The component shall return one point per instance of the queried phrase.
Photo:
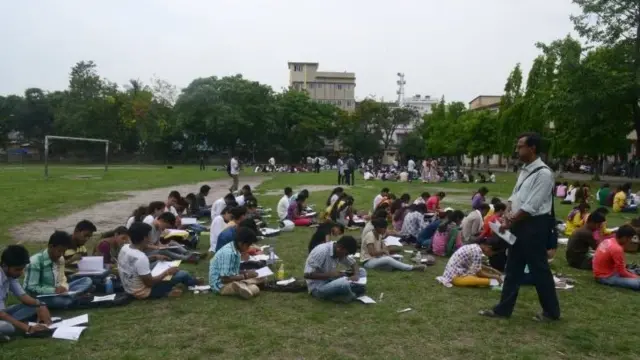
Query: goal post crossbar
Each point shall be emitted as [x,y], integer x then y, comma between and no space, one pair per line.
[47,139]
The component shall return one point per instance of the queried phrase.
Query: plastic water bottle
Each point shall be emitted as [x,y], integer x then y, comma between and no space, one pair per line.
[280,273]
[108,285]
[272,256]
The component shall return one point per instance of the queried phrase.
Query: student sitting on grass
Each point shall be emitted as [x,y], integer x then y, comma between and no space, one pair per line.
[426,235]
[334,196]
[110,245]
[375,254]
[135,271]
[433,203]
[244,193]
[46,275]
[384,193]
[576,218]
[228,234]
[155,209]
[201,201]
[603,232]
[398,210]
[295,212]
[479,198]
[499,210]
[571,194]
[603,194]
[295,196]
[225,276]
[159,226]
[324,232]
[323,279]
[237,215]
[342,212]
[581,241]
[81,234]
[172,201]
[13,319]
[217,226]
[609,266]
[448,237]
[620,202]
[138,215]
[220,204]
[492,205]
[378,214]
[413,223]
[465,268]
[473,222]
[422,200]
[283,204]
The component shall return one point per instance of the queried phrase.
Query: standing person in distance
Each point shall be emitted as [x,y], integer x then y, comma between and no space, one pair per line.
[340,166]
[202,163]
[351,166]
[529,220]
[234,171]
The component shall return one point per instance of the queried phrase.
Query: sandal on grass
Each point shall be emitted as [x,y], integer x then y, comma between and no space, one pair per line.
[491,314]
[540,317]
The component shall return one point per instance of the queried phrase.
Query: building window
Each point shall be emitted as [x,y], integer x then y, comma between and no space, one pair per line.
[348,102]
[297,67]
[339,86]
[311,85]
[339,102]
[319,85]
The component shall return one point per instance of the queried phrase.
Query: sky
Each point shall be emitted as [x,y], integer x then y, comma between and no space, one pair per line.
[454,48]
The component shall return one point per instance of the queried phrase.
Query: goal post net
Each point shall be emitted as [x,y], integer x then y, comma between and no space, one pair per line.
[49,139]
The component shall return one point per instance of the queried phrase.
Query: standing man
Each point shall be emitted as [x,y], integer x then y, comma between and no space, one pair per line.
[234,171]
[529,219]
[351,165]
[202,163]
[316,165]
[340,166]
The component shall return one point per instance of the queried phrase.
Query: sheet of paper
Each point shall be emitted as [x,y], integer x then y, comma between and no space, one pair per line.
[613,229]
[493,282]
[506,236]
[200,288]
[104,298]
[264,247]
[404,310]
[310,214]
[361,281]
[286,282]
[563,241]
[91,264]
[392,241]
[366,300]
[162,266]
[269,231]
[408,251]
[69,293]
[264,272]
[68,332]
[78,320]
[189,220]
[262,257]
[175,232]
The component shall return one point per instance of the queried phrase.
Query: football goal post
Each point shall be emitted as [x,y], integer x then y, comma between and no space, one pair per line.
[48,140]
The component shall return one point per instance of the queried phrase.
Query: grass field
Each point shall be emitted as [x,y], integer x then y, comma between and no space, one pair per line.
[597,322]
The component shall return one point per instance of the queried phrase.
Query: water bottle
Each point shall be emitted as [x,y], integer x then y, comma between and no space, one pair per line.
[272,256]
[280,273]
[108,285]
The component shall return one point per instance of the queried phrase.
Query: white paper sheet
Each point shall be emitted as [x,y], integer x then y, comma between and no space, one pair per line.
[310,214]
[104,298]
[162,266]
[189,220]
[286,282]
[174,232]
[262,257]
[269,231]
[91,264]
[563,241]
[404,310]
[506,236]
[68,332]
[392,241]
[366,300]
[361,281]
[200,288]
[78,320]
[264,272]
[69,293]
[493,282]
[408,251]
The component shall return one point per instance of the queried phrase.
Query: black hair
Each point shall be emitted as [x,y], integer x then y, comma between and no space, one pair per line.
[85,225]
[384,190]
[138,231]
[499,207]
[246,187]
[625,231]
[229,198]
[249,224]
[60,238]
[288,191]
[494,243]
[323,230]
[237,212]
[168,218]
[117,231]
[380,213]
[602,210]
[425,195]
[337,208]
[190,196]
[338,190]
[495,201]
[383,206]
[484,206]
[483,190]
[405,197]
[155,205]
[304,193]
[532,139]
[441,194]
[226,210]
[452,217]
[204,189]
[348,243]
[250,201]
[175,194]
[246,236]
[15,256]
[139,213]
[596,218]
[379,223]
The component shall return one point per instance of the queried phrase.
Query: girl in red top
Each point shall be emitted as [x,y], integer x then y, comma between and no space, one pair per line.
[433,204]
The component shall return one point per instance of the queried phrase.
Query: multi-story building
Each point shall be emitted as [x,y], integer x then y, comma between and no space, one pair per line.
[328,87]
[421,103]
[485,102]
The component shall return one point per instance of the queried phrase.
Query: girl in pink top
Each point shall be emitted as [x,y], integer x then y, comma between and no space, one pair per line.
[448,237]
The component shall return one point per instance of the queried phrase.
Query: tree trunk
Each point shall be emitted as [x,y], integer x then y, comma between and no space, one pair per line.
[636,92]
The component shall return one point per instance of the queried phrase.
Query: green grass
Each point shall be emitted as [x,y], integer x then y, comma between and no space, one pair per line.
[597,321]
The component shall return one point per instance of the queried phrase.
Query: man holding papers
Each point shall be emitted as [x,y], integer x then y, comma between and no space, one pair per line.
[135,271]
[12,263]
[46,277]
[324,281]
[530,220]
[225,276]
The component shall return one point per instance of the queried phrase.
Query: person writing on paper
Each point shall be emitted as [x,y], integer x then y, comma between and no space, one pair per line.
[433,204]
[155,209]
[201,202]
[283,204]
[159,229]
[217,226]
[334,196]
[324,232]
[609,267]
[320,271]
[498,212]
[13,261]
[225,276]
[384,193]
[472,223]
[465,267]
[220,204]
[45,275]
[448,236]
[581,241]
[296,210]
[413,223]
[576,218]
[238,216]
[244,193]
[342,211]
[531,222]
[375,254]
[479,198]
[230,233]
[109,247]
[81,234]
[138,215]
[426,235]
[135,271]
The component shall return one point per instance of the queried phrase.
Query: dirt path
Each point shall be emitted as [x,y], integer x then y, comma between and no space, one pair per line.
[108,215]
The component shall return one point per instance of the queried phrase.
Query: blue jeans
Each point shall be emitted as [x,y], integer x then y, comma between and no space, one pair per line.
[81,285]
[173,254]
[340,289]
[387,263]
[19,312]
[98,280]
[617,281]
[630,209]
[162,289]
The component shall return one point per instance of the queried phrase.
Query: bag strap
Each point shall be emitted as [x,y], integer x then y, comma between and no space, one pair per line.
[530,174]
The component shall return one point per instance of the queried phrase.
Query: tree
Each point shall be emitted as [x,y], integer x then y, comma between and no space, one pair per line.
[616,22]
[413,145]
[510,117]
[388,122]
